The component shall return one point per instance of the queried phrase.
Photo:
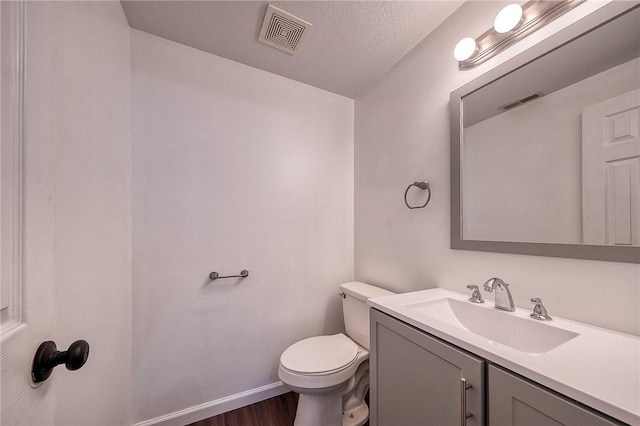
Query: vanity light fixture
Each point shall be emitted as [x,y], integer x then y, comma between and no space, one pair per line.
[508,18]
[466,48]
[512,24]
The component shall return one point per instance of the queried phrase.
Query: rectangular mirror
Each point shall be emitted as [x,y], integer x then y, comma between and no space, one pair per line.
[545,151]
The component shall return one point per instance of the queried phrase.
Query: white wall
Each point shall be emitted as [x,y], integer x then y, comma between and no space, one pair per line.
[522,175]
[234,168]
[402,135]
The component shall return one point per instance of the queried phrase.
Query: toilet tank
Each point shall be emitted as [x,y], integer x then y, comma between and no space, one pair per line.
[356,310]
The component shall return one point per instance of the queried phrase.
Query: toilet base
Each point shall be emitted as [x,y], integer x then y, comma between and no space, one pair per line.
[357,416]
[343,405]
[356,410]
[319,410]
[326,410]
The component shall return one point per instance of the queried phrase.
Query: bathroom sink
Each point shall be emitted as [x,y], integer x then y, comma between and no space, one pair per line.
[595,366]
[522,334]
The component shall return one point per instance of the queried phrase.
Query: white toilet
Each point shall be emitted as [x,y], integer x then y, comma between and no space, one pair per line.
[331,373]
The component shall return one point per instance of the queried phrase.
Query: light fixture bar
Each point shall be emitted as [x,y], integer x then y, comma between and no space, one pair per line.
[535,15]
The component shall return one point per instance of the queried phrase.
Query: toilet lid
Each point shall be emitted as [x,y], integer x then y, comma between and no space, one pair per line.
[319,354]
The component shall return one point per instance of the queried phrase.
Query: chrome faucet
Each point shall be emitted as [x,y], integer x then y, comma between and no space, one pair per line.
[476,297]
[503,297]
[539,311]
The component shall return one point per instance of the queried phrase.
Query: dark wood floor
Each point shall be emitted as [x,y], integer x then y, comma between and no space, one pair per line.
[278,411]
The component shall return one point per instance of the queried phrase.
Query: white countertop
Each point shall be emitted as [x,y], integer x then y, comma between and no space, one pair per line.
[599,368]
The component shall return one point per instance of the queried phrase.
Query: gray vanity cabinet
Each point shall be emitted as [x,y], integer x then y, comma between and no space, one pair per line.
[416,379]
[517,402]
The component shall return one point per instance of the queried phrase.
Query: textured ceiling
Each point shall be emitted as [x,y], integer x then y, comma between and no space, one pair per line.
[351,45]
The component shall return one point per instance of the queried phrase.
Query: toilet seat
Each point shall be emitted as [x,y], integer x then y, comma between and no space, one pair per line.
[320,355]
[327,363]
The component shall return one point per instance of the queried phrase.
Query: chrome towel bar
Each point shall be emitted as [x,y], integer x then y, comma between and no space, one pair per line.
[216,276]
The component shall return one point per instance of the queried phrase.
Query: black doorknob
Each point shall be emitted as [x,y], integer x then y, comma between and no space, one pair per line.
[48,356]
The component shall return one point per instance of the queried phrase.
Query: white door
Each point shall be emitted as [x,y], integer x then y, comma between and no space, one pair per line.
[22,329]
[611,171]
[68,240]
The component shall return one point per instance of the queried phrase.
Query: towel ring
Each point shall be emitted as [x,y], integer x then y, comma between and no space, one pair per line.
[423,186]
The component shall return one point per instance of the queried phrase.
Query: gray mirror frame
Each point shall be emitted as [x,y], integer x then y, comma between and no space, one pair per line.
[574,251]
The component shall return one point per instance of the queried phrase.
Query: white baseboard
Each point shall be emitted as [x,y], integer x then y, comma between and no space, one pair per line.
[219,406]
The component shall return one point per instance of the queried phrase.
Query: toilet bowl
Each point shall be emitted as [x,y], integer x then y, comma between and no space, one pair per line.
[331,373]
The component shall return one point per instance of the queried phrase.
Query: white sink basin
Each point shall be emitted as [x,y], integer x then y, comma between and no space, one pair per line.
[525,335]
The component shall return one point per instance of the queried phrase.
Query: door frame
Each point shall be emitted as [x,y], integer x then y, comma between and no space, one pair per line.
[12,214]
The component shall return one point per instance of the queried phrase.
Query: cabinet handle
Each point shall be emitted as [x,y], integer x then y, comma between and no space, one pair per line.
[464,414]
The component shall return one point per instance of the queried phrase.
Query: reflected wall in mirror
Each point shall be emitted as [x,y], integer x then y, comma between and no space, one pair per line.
[546,155]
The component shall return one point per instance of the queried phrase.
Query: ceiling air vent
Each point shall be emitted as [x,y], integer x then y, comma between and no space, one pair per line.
[283,31]
[522,101]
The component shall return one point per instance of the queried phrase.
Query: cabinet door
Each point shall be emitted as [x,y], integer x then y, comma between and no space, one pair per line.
[416,378]
[517,402]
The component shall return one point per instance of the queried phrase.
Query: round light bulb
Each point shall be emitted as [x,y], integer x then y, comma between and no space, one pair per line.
[465,49]
[508,18]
